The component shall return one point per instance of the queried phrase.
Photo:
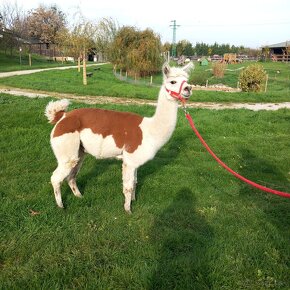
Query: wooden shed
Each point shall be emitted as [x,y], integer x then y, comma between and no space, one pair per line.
[278,51]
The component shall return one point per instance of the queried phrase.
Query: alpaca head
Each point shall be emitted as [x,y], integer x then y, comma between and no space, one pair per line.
[175,81]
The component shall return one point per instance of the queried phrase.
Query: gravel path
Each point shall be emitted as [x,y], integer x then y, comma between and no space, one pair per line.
[31,71]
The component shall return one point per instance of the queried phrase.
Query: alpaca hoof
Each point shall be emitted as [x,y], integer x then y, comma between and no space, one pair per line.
[128,211]
[59,203]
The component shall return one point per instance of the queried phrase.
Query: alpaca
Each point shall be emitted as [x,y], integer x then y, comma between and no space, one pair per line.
[111,134]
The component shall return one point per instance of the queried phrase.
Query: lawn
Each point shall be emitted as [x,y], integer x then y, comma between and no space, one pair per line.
[10,62]
[193,225]
[104,83]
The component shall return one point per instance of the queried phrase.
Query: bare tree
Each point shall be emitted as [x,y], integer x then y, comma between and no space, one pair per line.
[13,26]
[77,41]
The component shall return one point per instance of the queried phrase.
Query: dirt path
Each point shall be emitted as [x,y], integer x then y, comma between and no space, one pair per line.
[31,71]
[115,100]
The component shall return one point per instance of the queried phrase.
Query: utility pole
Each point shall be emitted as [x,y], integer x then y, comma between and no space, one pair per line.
[174,27]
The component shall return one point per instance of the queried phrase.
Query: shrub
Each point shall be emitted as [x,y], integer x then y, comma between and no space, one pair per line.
[218,69]
[252,78]
[198,78]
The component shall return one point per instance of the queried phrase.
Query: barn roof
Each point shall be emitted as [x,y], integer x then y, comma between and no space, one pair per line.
[278,45]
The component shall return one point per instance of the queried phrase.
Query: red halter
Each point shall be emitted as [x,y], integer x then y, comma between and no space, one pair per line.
[178,95]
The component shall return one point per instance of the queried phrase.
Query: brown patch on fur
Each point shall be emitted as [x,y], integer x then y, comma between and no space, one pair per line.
[124,127]
[57,116]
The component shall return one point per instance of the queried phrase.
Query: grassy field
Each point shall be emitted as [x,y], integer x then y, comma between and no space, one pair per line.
[193,225]
[104,83]
[12,62]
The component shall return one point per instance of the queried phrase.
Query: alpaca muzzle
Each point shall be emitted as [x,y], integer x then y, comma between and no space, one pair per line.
[186,92]
[183,94]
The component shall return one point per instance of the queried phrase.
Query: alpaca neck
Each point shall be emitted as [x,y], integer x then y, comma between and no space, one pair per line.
[163,121]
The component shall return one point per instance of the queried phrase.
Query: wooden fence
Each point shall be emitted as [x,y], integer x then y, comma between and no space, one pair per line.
[281,57]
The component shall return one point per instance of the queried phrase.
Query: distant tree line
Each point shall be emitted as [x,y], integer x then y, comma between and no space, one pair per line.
[184,47]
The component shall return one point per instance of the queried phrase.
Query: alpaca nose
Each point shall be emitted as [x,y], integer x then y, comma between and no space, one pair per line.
[187,88]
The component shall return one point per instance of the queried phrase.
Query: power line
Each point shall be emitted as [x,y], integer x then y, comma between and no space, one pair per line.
[235,24]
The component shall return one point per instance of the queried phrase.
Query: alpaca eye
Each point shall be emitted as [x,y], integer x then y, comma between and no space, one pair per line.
[173,82]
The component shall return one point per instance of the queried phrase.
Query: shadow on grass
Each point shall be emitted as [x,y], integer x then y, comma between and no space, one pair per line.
[275,207]
[98,167]
[166,156]
[182,238]
[262,172]
[274,221]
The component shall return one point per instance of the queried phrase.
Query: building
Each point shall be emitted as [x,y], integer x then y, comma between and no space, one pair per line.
[277,52]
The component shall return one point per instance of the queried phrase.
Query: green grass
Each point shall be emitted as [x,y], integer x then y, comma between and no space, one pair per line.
[278,89]
[104,83]
[193,225]
[10,62]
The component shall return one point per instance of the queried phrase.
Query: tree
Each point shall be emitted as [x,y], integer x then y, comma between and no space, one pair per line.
[138,52]
[72,41]
[201,49]
[77,42]
[45,22]
[184,47]
[166,47]
[13,26]
[106,31]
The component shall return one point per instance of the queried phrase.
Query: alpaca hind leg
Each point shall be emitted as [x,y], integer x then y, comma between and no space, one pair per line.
[71,179]
[128,174]
[66,150]
[61,172]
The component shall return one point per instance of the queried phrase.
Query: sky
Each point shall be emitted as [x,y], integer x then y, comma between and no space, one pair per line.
[251,23]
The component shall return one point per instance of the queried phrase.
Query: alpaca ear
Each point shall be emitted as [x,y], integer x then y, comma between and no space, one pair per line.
[187,68]
[166,69]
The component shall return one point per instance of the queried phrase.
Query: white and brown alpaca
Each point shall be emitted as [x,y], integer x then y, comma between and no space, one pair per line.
[111,134]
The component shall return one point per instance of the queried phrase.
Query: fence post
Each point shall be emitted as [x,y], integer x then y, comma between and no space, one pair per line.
[29,55]
[79,64]
[266,84]
[85,82]
[151,79]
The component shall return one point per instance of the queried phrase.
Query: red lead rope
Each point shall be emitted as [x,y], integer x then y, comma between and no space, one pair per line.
[281,193]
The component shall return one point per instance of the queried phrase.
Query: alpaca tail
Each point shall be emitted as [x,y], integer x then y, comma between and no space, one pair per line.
[55,110]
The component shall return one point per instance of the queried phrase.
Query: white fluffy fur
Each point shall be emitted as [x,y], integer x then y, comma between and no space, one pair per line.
[156,131]
[53,107]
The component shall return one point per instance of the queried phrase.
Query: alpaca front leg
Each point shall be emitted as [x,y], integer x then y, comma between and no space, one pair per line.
[133,197]
[128,174]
